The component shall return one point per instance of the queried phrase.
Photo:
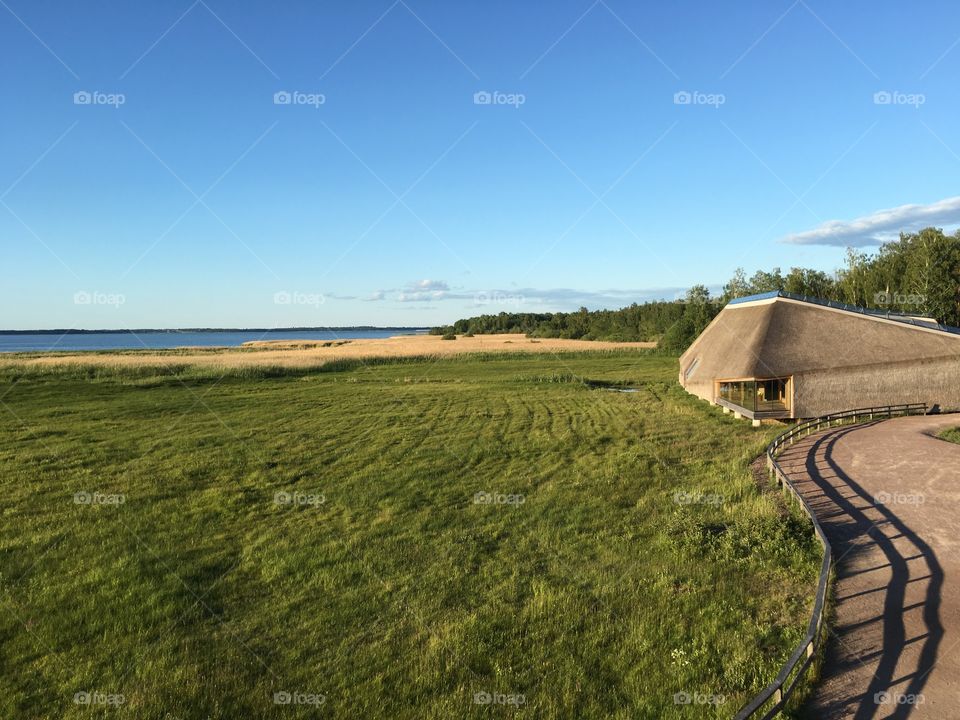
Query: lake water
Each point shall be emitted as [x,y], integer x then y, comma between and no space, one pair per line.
[160,340]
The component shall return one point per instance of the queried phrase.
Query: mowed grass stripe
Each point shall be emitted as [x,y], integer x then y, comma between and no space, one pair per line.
[592,593]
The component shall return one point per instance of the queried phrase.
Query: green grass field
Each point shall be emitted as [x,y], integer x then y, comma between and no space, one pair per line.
[953,435]
[402,540]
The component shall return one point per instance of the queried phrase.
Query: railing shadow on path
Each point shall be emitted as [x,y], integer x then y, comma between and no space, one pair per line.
[863,531]
[857,536]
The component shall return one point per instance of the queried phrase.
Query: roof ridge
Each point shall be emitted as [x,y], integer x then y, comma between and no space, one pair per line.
[761,344]
[893,316]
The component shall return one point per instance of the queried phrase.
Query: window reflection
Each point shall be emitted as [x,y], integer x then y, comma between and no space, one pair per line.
[757,395]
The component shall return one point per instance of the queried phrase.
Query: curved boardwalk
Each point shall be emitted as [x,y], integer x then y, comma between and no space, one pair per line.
[888,497]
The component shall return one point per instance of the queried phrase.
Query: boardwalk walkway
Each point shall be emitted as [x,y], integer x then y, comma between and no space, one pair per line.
[888,497]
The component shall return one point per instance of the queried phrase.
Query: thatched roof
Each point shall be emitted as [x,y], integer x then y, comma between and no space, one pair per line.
[777,335]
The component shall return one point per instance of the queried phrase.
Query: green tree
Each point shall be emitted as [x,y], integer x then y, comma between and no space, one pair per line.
[762,281]
[852,282]
[698,311]
[812,283]
[737,287]
[932,276]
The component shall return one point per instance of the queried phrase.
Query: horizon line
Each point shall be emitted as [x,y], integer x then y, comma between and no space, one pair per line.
[134,331]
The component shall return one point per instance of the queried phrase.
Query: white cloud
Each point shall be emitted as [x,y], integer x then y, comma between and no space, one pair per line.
[881,226]
[376,296]
[541,300]
[429,285]
[533,299]
[423,295]
[426,290]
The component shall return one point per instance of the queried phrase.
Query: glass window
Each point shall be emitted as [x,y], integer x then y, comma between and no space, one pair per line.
[759,396]
[772,395]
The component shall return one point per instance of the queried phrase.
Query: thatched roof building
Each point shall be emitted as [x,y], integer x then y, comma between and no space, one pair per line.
[782,355]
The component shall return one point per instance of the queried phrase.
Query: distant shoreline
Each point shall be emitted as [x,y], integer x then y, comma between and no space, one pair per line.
[307,354]
[143,331]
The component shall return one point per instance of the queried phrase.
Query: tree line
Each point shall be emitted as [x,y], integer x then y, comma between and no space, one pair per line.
[918,274]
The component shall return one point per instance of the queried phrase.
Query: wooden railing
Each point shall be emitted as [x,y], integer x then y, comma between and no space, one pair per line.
[775,696]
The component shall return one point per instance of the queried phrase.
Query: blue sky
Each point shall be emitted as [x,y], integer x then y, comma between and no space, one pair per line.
[181,190]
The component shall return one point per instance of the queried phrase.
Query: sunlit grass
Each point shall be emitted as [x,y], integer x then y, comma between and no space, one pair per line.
[953,435]
[627,554]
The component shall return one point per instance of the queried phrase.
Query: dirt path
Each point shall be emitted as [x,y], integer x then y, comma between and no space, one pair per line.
[888,496]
